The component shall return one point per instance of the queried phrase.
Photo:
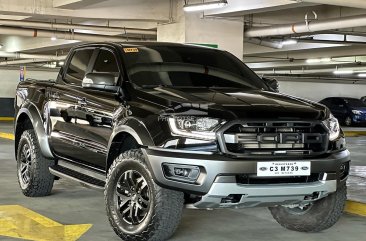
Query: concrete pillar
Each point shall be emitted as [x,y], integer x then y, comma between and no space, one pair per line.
[194,28]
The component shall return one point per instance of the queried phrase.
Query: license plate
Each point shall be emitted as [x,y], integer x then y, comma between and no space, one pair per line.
[283,168]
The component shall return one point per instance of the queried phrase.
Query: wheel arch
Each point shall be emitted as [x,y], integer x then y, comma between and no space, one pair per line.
[31,115]
[130,135]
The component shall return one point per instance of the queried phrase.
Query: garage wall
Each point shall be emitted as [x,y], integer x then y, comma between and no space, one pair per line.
[318,91]
[9,79]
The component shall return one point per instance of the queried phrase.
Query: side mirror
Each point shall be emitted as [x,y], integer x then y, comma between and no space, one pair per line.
[100,81]
[272,83]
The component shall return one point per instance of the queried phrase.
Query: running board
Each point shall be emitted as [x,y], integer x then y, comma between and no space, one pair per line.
[81,178]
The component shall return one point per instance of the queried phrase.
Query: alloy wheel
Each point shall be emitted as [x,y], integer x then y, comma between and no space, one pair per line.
[348,121]
[132,198]
[25,166]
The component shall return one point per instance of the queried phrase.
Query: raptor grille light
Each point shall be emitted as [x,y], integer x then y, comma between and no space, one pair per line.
[332,125]
[204,6]
[194,127]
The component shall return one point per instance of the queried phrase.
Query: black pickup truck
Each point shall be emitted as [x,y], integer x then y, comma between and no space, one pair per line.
[162,126]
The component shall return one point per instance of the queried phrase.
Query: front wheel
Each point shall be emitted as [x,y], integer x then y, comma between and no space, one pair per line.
[348,121]
[137,208]
[314,217]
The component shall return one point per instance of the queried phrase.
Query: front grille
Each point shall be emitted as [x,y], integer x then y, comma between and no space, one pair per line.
[254,179]
[278,138]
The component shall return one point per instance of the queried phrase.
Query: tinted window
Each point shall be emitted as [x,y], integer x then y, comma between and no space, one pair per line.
[78,65]
[337,101]
[326,102]
[188,67]
[355,102]
[106,62]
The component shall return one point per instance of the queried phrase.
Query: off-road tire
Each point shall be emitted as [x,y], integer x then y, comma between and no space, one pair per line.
[40,179]
[321,215]
[166,205]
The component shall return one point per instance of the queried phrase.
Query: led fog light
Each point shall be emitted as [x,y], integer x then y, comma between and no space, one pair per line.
[183,173]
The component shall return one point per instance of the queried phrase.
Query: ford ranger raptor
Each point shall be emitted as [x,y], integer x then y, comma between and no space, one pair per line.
[161,126]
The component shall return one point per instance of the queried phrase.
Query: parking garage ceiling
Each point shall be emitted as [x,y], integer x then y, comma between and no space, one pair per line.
[321,38]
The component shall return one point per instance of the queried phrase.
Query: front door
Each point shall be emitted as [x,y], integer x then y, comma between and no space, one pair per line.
[95,110]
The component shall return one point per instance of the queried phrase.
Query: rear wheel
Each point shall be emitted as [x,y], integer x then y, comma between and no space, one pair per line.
[314,217]
[137,208]
[34,177]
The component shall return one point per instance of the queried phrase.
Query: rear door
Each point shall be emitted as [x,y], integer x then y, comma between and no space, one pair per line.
[63,103]
[95,112]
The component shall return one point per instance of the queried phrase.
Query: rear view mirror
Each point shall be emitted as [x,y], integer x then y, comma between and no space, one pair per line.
[272,83]
[100,81]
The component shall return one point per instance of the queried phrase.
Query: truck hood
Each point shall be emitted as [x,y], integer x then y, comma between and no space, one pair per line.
[230,103]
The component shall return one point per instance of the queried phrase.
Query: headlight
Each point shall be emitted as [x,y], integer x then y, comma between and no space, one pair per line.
[357,112]
[195,127]
[333,126]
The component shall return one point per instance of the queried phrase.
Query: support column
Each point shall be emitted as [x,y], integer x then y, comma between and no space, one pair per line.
[194,28]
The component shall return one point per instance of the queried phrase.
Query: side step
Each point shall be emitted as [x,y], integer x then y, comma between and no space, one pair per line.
[81,178]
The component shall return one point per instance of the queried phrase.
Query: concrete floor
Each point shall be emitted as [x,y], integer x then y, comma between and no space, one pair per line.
[74,204]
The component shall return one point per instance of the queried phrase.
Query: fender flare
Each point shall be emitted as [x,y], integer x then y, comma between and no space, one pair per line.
[135,128]
[35,117]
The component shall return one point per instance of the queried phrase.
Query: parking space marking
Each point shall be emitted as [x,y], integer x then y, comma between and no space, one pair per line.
[354,133]
[6,118]
[7,136]
[356,208]
[20,222]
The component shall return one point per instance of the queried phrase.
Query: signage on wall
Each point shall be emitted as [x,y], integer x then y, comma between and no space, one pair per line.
[23,70]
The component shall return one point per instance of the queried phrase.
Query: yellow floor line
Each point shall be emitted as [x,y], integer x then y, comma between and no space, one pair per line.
[356,208]
[22,223]
[6,118]
[7,136]
[355,133]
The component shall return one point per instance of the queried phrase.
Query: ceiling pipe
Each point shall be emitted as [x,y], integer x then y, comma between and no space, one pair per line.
[348,3]
[67,26]
[266,43]
[30,56]
[61,35]
[310,27]
[356,70]
[27,61]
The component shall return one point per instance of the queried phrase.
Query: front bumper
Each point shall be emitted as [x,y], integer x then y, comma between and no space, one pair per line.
[217,180]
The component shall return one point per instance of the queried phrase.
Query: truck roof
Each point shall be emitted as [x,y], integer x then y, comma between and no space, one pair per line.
[145,44]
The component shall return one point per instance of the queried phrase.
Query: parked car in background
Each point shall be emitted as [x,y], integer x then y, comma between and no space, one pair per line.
[349,111]
[363,99]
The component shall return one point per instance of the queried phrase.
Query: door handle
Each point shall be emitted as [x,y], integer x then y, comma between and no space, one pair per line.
[82,102]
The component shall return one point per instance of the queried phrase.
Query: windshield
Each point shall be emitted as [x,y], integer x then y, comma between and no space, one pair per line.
[186,66]
[355,103]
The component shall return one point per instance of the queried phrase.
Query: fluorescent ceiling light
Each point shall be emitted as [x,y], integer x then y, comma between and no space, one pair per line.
[362,75]
[343,72]
[289,42]
[53,38]
[310,61]
[204,6]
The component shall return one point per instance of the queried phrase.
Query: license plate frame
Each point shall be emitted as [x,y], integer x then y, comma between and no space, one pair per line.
[283,168]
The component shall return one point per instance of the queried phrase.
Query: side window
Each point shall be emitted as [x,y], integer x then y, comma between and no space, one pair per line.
[78,65]
[106,63]
[337,102]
